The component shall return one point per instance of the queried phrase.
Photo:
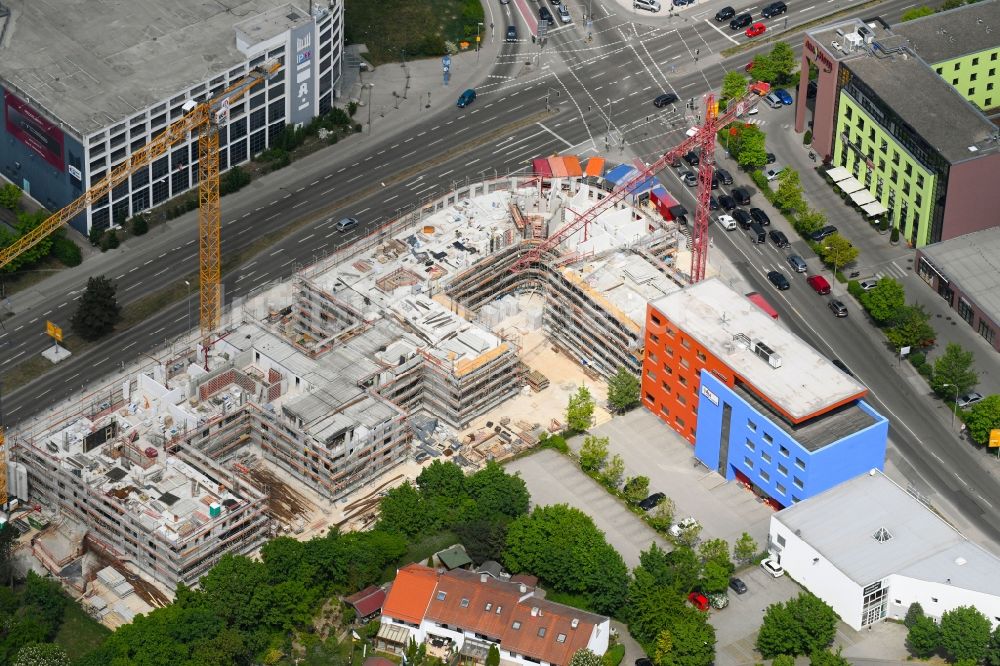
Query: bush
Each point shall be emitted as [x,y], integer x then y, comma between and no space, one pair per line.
[807,138]
[352,108]
[894,235]
[557,442]
[66,251]
[760,180]
[232,181]
[883,225]
[918,359]
[139,225]
[94,236]
[614,655]
[854,289]
[109,240]
[927,370]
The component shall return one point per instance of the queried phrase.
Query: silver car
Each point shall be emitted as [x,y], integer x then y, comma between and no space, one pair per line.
[797,263]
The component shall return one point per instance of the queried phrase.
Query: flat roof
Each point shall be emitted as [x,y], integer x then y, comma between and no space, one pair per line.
[805,384]
[952,34]
[92,64]
[842,524]
[973,262]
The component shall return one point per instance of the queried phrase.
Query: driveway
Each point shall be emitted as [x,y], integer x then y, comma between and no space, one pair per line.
[736,625]
[552,478]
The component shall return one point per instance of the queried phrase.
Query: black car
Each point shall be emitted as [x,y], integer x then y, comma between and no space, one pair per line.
[691,158]
[741,21]
[644,662]
[742,196]
[811,90]
[727,202]
[715,181]
[713,203]
[828,230]
[737,586]
[664,99]
[545,15]
[774,9]
[742,218]
[843,368]
[778,238]
[725,14]
[681,3]
[724,176]
[760,217]
[512,33]
[779,280]
[838,308]
[652,501]
[771,159]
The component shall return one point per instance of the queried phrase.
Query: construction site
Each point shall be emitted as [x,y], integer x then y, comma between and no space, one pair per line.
[444,334]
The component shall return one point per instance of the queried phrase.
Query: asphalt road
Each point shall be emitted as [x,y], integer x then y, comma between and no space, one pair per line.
[604,89]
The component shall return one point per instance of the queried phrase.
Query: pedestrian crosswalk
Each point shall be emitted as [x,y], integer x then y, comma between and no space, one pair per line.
[892,269]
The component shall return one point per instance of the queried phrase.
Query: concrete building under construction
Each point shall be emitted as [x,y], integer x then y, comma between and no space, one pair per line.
[312,382]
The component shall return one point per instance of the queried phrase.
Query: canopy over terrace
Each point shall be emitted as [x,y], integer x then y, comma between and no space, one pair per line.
[838,174]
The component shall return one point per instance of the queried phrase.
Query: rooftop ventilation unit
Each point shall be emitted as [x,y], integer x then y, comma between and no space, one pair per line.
[766,353]
[853,42]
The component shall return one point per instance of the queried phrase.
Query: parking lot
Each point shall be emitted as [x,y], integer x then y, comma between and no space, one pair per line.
[736,625]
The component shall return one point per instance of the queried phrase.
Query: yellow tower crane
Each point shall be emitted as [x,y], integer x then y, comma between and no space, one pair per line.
[203,118]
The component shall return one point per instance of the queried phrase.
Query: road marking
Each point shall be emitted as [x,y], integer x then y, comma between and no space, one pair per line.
[301,203]
[394,196]
[314,183]
[351,180]
[162,272]
[306,238]
[272,217]
[413,152]
[73,376]
[807,9]
[242,231]
[180,318]
[300,189]
[162,255]
[341,169]
[245,215]
[131,344]
[33,320]
[120,276]
[133,269]
[103,360]
[553,134]
[135,284]
[327,191]
[12,358]
[472,162]
[435,141]
[287,262]
[716,28]
[147,263]
[60,305]
[46,314]
[422,133]
[190,242]
[160,330]
[446,173]
[365,210]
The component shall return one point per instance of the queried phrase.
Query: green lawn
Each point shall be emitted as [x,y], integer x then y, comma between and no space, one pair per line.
[388,27]
[575,600]
[79,633]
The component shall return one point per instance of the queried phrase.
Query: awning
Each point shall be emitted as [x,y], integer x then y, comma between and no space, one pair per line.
[595,166]
[862,197]
[874,208]
[540,166]
[393,633]
[558,167]
[850,184]
[838,174]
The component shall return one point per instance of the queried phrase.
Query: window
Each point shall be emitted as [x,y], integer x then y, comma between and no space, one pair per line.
[516,625]
[939,70]
[685,343]
[972,91]
[541,631]
[685,363]
[650,398]
[799,463]
[465,603]
[751,426]
[670,331]
[765,476]
[798,482]
[958,65]
[653,358]
[750,444]
[934,599]
[768,439]
[683,380]
[499,608]
[781,541]
[748,463]
[655,320]
[765,456]
[849,113]
[666,387]
[993,56]
[920,181]
[670,351]
[795,500]
[780,488]
[560,638]
[975,61]
[986,331]
[651,375]
[965,311]
[441,596]
[989,86]
[988,103]
[665,410]
[488,607]
[701,357]
[972,77]
[783,451]
[679,421]
[954,82]
[782,470]
[681,399]
[655,338]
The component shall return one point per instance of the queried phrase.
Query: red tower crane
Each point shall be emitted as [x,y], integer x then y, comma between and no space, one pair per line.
[703,138]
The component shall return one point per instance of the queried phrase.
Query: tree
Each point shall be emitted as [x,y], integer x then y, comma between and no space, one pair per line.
[912,613]
[10,196]
[493,656]
[562,546]
[403,510]
[651,607]
[911,328]
[788,196]
[636,489]
[828,658]
[41,654]
[689,535]
[440,479]
[614,472]
[965,633]
[715,577]
[664,642]
[580,410]
[65,250]
[983,417]
[885,300]
[584,657]
[802,625]
[623,390]
[677,569]
[662,517]
[483,539]
[783,660]
[751,153]
[779,632]
[953,373]
[692,639]
[94,235]
[593,453]
[715,549]
[809,221]
[26,222]
[745,548]
[924,637]
[916,12]
[837,251]
[993,651]
[98,311]
[8,538]
[495,493]
[734,85]
[775,67]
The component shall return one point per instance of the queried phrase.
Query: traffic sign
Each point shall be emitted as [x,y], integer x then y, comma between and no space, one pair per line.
[994,438]
[53,331]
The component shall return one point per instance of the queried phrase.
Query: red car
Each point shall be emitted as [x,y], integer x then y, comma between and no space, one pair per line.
[756,30]
[749,66]
[819,284]
[698,600]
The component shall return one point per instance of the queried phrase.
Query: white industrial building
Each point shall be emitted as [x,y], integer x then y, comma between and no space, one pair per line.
[84,85]
[870,549]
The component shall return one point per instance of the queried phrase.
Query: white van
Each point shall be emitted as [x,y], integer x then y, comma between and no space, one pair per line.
[727,222]
[648,5]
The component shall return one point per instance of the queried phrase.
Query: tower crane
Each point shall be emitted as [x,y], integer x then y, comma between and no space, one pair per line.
[204,119]
[703,137]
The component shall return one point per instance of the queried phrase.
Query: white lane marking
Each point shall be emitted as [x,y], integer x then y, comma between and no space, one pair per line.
[716,28]
[554,134]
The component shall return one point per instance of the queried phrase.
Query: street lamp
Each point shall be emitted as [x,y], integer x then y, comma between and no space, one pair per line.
[369,86]
[607,137]
[189,303]
[954,406]
[833,278]
[547,93]
[478,26]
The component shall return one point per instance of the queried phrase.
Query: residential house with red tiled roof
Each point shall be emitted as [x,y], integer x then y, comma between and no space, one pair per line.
[464,612]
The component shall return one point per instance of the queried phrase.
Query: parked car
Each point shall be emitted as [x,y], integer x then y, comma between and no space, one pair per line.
[869,284]
[737,586]
[545,15]
[837,308]
[842,367]
[698,600]
[828,230]
[969,399]
[689,179]
[676,529]
[797,263]
[784,95]
[346,224]
[724,176]
[727,203]
[563,13]
[466,98]
[715,181]
[756,30]
[819,284]
[769,158]
[760,217]
[773,569]
[648,5]
[512,33]
[713,203]
[681,3]
[664,99]
[727,222]
[742,218]
[692,158]
[772,172]
[778,279]
[652,501]
[741,21]
[725,14]
[774,9]
[778,238]
[742,196]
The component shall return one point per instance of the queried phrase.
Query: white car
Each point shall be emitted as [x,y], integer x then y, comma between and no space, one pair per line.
[676,529]
[563,14]
[969,399]
[773,171]
[773,569]
[727,222]
[869,284]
